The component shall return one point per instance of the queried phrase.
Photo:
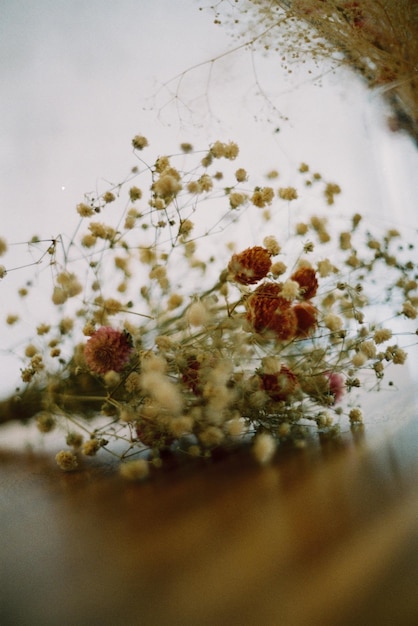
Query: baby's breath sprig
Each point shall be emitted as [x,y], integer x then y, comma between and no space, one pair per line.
[175,339]
[378,39]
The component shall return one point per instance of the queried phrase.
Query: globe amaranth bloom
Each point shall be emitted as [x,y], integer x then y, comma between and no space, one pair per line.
[308,283]
[281,385]
[250,266]
[327,388]
[267,310]
[191,375]
[107,349]
[306,315]
[336,384]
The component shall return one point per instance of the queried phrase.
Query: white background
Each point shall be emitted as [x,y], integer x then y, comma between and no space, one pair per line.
[80,78]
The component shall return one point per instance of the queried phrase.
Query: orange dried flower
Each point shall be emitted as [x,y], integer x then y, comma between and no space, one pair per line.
[306,315]
[250,266]
[107,349]
[306,277]
[280,385]
[267,310]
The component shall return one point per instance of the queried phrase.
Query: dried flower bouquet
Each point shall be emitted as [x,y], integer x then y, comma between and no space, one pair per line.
[181,340]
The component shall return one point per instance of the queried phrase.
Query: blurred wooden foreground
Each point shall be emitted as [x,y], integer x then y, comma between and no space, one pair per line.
[322,537]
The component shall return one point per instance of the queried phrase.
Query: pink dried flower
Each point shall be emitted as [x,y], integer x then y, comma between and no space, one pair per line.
[336,385]
[107,349]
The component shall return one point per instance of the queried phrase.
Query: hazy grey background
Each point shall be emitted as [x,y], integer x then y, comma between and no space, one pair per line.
[79,78]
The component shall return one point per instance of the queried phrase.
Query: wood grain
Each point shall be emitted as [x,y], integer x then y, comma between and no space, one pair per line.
[325,536]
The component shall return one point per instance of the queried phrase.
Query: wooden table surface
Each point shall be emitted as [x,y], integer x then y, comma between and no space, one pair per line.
[324,536]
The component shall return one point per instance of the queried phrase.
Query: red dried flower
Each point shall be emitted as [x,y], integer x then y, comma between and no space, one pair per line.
[280,385]
[284,324]
[107,349]
[306,277]
[267,310]
[306,315]
[191,375]
[250,266]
